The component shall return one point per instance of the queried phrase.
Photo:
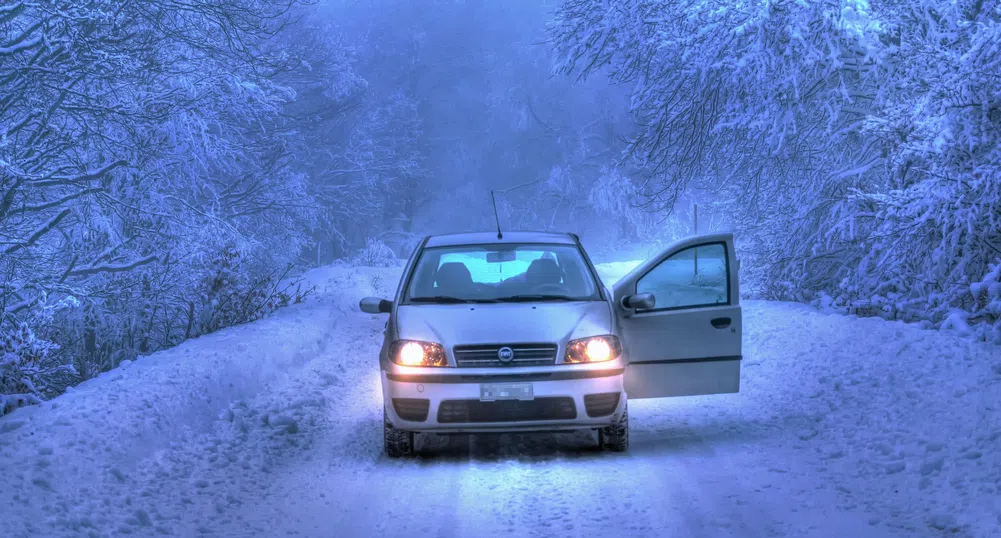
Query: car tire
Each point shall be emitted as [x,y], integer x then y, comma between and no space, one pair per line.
[616,436]
[398,443]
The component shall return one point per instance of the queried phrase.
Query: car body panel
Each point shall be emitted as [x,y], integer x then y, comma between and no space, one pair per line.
[489,238]
[504,324]
[685,350]
[439,392]
[665,352]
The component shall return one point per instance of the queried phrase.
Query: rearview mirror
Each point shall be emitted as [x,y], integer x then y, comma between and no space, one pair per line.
[642,301]
[375,305]
[499,256]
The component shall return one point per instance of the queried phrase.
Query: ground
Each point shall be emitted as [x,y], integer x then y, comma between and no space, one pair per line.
[843,427]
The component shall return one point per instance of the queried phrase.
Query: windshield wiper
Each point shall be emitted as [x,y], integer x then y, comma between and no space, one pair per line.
[448,299]
[526,298]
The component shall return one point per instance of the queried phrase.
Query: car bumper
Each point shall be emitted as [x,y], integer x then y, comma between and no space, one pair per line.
[450,402]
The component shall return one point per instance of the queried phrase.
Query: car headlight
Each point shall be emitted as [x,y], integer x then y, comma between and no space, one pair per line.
[414,353]
[592,349]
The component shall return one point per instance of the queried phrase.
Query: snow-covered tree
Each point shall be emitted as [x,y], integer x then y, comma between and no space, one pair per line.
[138,142]
[468,90]
[856,142]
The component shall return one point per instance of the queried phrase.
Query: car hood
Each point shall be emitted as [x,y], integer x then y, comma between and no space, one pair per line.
[461,324]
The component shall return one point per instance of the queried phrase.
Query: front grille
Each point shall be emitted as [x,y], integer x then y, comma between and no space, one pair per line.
[601,405]
[486,355]
[412,409]
[550,408]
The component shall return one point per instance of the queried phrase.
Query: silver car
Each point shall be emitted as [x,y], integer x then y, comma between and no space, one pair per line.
[515,332]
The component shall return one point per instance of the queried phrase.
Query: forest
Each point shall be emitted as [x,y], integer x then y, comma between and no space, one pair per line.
[168,167]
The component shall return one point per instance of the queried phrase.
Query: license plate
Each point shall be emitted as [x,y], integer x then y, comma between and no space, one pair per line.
[490,392]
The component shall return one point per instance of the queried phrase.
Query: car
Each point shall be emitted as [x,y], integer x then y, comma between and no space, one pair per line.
[515,332]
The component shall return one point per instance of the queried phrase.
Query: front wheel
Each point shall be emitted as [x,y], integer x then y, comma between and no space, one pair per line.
[616,436]
[399,443]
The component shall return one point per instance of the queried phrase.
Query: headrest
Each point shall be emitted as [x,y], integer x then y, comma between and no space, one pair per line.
[453,273]
[543,271]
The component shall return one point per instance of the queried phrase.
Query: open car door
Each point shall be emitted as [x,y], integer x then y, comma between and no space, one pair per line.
[687,339]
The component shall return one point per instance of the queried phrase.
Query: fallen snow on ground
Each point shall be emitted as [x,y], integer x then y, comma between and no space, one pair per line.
[842,425]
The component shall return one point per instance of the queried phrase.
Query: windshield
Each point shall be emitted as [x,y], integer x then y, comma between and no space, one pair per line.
[501,272]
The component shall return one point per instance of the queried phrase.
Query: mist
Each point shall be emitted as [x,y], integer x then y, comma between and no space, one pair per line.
[177,172]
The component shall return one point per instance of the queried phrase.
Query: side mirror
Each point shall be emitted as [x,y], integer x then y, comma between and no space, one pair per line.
[642,301]
[375,305]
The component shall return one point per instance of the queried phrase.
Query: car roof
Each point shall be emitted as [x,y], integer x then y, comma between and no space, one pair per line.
[487,238]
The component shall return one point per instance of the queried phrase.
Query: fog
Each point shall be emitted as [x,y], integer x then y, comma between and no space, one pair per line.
[459,99]
[183,179]
[164,169]
[160,166]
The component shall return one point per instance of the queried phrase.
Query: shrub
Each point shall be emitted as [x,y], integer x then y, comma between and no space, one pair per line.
[376,253]
[230,294]
[31,368]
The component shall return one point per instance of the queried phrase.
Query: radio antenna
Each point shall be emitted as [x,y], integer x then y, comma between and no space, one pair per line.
[496,218]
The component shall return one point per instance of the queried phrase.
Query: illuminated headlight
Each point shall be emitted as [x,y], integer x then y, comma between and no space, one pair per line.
[414,353]
[593,349]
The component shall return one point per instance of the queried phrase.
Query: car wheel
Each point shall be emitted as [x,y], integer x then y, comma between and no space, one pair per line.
[399,443]
[616,436]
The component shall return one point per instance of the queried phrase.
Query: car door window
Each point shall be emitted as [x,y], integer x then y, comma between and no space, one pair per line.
[696,276]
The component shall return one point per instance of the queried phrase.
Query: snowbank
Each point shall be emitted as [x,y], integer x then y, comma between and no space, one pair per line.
[897,424]
[908,419]
[127,451]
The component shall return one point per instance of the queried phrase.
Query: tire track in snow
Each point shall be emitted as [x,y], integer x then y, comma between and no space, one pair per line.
[780,458]
[695,470]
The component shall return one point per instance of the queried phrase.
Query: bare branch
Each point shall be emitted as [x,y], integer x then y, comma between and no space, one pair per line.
[114,268]
[40,232]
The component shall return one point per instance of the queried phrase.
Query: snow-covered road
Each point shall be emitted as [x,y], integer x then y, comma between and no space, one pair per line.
[843,427]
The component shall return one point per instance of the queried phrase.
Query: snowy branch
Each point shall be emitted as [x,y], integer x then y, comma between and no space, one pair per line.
[46,228]
[113,268]
[54,203]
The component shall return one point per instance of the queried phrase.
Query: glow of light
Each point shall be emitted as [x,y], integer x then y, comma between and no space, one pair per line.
[598,350]
[412,354]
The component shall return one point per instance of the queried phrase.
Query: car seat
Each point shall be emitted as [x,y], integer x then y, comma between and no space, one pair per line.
[453,278]
[542,272]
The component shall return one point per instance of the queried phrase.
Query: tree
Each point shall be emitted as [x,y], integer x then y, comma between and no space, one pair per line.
[138,141]
[472,85]
[857,135]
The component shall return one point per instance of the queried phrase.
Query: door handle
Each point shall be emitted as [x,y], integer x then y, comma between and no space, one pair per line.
[721,323]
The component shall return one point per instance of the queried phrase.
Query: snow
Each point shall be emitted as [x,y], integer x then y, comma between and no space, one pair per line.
[843,426]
